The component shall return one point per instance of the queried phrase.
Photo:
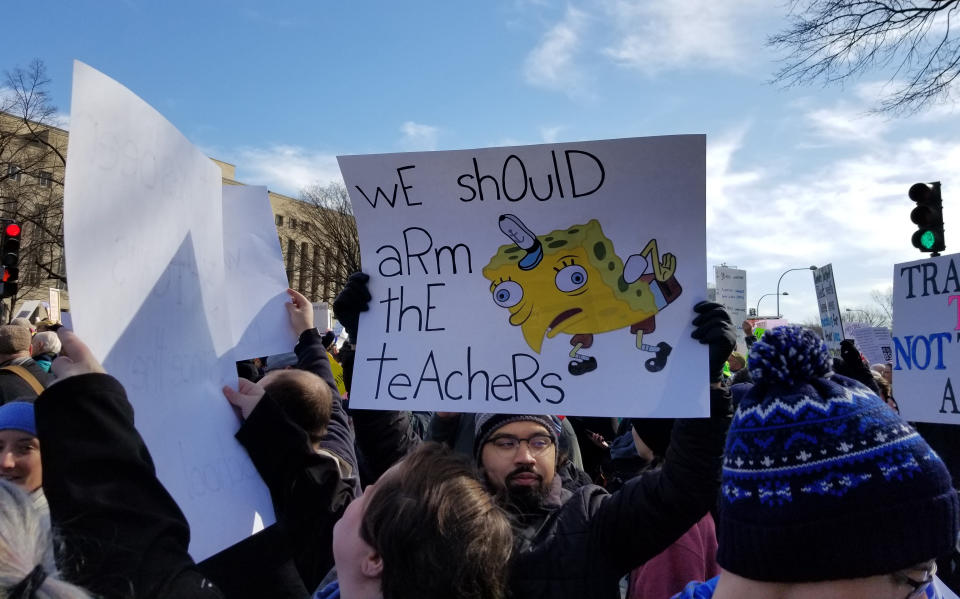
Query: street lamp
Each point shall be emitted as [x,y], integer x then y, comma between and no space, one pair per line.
[765,295]
[781,278]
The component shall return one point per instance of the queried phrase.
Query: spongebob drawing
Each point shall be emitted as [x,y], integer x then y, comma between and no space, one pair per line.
[571,281]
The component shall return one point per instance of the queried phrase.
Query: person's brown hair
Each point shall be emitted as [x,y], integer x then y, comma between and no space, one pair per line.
[305,398]
[437,530]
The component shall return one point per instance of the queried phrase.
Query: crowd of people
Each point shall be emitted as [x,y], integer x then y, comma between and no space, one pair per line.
[804,483]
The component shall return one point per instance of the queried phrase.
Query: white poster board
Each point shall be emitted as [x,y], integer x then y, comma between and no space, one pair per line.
[515,280]
[830,318]
[732,295]
[54,311]
[255,275]
[926,326]
[163,329]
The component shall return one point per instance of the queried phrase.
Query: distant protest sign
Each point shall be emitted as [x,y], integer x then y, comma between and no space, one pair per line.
[926,331]
[875,343]
[831,321]
[548,279]
[151,298]
[732,294]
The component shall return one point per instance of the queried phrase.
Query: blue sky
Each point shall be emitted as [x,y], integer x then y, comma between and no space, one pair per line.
[796,176]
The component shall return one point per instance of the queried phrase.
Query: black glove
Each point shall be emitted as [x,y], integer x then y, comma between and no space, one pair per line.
[851,365]
[714,327]
[352,300]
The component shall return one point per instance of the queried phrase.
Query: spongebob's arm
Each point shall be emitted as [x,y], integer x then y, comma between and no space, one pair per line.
[639,264]
[662,269]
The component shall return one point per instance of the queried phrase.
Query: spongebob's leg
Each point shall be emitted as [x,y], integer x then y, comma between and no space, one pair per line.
[660,350]
[581,363]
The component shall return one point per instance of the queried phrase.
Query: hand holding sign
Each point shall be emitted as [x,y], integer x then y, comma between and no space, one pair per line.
[301,312]
[75,357]
[246,396]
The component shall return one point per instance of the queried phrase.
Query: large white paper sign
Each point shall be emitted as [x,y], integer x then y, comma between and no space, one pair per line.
[148,297]
[538,279]
[255,275]
[926,332]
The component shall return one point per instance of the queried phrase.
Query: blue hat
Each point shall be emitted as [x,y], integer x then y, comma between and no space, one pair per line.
[821,479]
[18,415]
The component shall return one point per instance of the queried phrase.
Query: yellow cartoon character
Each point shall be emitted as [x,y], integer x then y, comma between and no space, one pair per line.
[571,281]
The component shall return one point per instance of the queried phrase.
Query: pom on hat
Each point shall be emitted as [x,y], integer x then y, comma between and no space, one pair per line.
[788,355]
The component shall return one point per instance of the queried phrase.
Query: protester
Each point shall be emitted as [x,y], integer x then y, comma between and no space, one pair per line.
[25,323]
[20,377]
[426,530]
[694,555]
[580,543]
[27,567]
[20,462]
[826,492]
[298,436]
[44,348]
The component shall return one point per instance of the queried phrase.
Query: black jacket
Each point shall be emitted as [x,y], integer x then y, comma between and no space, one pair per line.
[581,543]
[123,535]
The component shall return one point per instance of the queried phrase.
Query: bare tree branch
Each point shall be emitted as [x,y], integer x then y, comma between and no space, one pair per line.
[834,40]
[331,228]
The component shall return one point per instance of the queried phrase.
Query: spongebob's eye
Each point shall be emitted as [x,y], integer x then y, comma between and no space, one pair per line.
[571,278]
[507,294]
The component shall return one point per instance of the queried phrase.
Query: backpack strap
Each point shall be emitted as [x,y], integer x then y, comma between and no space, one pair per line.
[26,375]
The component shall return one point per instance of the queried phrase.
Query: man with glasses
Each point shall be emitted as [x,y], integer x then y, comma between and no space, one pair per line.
[581,543]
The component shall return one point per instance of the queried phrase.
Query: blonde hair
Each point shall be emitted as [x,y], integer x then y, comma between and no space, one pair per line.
[25,543]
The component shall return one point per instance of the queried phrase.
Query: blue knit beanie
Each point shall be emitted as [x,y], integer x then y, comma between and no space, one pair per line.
[18,415]
[821,479]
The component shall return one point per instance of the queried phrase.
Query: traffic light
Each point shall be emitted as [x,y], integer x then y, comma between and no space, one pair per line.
[9,258]
[928,216]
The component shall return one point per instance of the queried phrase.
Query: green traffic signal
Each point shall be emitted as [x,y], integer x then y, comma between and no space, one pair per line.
[928,216]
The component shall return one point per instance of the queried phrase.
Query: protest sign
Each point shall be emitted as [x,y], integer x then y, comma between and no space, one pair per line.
[27,309]
[926,327]
[148,298]
[553,278]
[255,275]
[54,310]
[732,294]
[875,343]
[830,319]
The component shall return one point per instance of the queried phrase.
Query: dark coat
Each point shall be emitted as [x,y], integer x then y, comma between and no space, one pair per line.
[123,535]
[581,543]
[14,388]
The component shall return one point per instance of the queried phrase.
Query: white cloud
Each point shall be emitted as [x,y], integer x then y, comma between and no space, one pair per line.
[285,169]
[723,183]
[844,123]
[668,34]
[551,64]
[419,137]
[549,134]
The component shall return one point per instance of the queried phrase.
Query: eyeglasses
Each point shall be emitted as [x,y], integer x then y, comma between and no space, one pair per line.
[919,586]
[508,444]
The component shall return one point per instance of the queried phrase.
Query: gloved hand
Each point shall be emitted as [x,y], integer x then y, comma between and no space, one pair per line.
[352,300]
[851,365]
[714,327]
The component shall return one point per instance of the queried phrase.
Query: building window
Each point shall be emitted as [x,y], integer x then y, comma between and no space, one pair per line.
[293,223]
[46,178]
[304,269]
[278,220]
[291,260]
[13,172]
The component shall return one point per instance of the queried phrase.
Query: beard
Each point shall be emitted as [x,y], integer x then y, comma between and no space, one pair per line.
[523,498]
